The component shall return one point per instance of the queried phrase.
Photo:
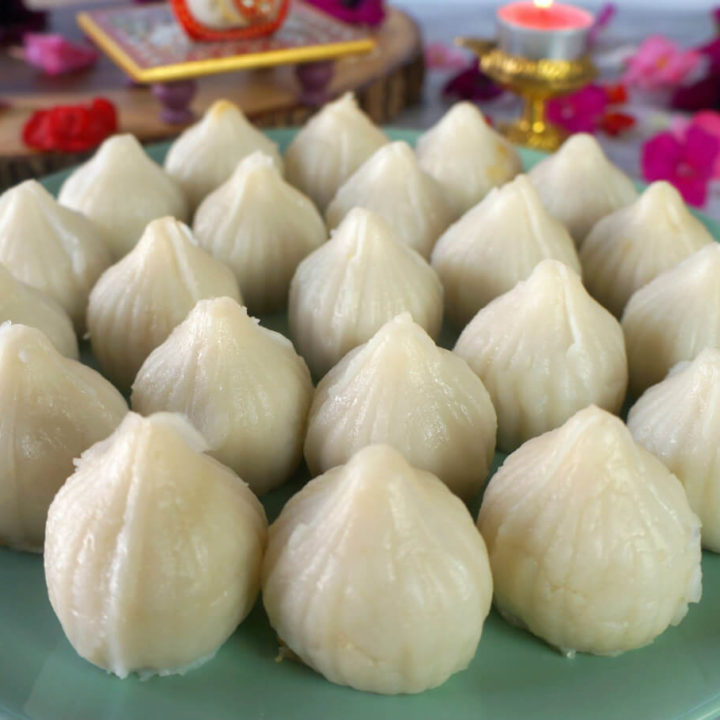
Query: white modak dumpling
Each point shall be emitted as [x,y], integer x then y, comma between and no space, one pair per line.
[153,551]
[678,420]
[672,318]
[206,154]
[545,350]
[52,248]
[262,228]
[592,543]
[53,409]
[138,301]
[633,245]
[401,389]
[347,289]
[466,156]
[20,303]
[496,245]
[392,184]
[122,190]
[376,577]
[330,147]
[579,185]
[243,386]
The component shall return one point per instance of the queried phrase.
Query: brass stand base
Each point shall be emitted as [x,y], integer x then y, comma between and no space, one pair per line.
[547,138]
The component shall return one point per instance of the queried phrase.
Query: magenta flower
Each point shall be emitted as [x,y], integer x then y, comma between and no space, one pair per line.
[471,84]
[356,12]
[687,162]
[55,55]
[660,64]
[581,111]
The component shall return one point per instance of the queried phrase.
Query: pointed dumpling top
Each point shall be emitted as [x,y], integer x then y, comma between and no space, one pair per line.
[633,245]
[330,147]
[495,245]
[579,185]
[392,184]
[674,317]
[139,300]
[352,285]
[50,247]
[466,156]
[545,350]
[262,227]
[205,154]
[122,190]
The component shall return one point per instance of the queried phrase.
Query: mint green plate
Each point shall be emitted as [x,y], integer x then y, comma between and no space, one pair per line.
[513,675]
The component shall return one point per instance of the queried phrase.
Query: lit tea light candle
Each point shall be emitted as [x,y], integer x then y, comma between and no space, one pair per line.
[543,29]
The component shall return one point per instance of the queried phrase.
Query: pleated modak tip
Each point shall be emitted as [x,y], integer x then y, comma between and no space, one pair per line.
[206,154]
[496,245]
[121,189]
[138,301]
[243,387]
[672,318]
[262,227]
[330,147]
[22,304]
[344,291]
[153,550]
[579,185]
[545,350]
[376,577]
[466,156]
[678,420]
[392,184]
[52,248]
[633,245]
[54,408]
[400,389]
[592,543]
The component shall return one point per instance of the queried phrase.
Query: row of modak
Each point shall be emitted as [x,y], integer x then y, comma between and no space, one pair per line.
[365,308]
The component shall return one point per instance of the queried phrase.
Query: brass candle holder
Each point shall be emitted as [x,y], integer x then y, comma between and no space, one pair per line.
[536,81]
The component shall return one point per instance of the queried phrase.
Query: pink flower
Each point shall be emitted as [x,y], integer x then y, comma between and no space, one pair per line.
[55,55]
[580,112]
[659,64]
[686,162]
[439,56]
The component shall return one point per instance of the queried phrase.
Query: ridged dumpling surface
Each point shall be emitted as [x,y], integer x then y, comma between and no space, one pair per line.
[330,147]
[392,184]
[402,390]
[344,291]
[592,543]
[207,153]
[678,420]
[495,245]
[633,245]
[52,248]
[20,303]
[121,189]
[545,350]
[153,550]
[262,228]
[376,577]
[579,185]
[243,387]
[53,408]
[672,318]
[139,300]
[466,156]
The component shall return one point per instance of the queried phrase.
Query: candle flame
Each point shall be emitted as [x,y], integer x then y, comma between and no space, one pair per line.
[543,3]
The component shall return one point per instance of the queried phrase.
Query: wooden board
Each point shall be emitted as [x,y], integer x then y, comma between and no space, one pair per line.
[385,81]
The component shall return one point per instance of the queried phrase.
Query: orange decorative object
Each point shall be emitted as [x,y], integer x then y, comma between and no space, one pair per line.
[216,20]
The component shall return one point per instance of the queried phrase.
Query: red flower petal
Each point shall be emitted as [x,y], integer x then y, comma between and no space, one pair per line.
[616,94]
[615,123]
